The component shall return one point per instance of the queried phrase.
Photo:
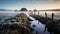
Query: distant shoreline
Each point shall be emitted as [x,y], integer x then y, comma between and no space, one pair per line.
[33,10]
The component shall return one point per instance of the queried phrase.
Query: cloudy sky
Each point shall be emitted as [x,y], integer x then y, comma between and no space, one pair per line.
[29,4]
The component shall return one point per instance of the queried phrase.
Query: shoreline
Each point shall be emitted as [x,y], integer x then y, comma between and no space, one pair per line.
[43,19]
[53,26]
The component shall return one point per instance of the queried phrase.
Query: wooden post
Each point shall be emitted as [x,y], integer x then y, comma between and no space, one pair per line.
[46,23]
[46,15]
[34,12]
[52,17]
[38,15]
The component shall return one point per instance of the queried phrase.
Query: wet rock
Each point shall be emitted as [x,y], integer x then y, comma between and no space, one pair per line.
[21,27]
[34,25]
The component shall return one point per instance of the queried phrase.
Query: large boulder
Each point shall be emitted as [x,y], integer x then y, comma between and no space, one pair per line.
[23,9]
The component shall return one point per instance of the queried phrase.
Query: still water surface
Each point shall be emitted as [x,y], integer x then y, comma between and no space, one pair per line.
[49,13]
[39,27]
[9,14]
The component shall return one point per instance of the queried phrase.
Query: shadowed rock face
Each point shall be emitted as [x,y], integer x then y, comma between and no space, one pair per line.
[19,25]
[23,9]
[52,26]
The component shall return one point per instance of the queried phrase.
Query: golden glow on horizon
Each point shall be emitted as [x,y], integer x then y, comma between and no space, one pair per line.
[48,6]
[42,6]
[31,5]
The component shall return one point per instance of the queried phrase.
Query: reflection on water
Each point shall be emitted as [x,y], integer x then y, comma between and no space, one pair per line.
[8,14]
[56,13]
[39,27]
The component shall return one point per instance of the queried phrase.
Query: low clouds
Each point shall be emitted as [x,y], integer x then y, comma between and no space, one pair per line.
[45,1]
[55,0]
[30,4]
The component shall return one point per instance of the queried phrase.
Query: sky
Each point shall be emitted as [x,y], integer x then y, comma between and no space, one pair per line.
[29,4]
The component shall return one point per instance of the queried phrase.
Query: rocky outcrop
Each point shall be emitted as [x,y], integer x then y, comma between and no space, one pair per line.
[17,25]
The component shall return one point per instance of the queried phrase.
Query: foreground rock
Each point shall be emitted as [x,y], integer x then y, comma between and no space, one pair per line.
[16,25]
[52,26]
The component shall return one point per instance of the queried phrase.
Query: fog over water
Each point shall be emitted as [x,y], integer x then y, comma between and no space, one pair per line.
[39,27]
[4,14]
[49,13]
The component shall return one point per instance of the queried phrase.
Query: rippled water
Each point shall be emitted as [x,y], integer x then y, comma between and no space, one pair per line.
[39,27]
[8,14]
[49,13]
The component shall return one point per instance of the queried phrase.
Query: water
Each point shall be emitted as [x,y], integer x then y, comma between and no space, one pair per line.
[9,14]
[42,13]
[6,15]
[39,28]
